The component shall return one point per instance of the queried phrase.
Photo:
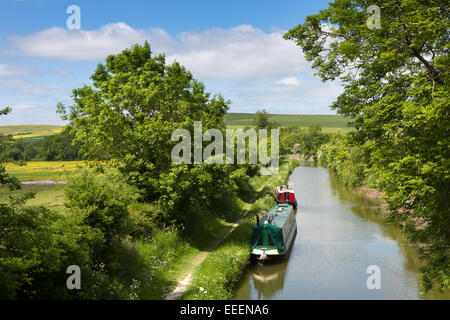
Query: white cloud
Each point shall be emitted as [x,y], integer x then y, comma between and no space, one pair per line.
[240,53]
[8,70]
[81,45]
[289,81]
[256,69]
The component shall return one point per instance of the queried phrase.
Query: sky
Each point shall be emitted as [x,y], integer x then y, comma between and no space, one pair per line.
[235,47]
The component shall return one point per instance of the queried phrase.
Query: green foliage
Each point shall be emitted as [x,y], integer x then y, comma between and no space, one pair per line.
[261,121]
[31,152]
[347,159]
[102,202]
[13,149]
[130,112]
[217,275]
[5,144]
[59,147]
[396,82]
[36,247]
[189,191]
[242,182]
[306,142]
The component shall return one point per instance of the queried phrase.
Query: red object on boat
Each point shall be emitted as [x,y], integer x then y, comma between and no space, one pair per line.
[285,194]
[291,196]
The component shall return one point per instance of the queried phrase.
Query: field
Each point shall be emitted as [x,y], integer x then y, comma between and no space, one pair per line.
[48,196]
[30,133]
[45,170]
[329,123]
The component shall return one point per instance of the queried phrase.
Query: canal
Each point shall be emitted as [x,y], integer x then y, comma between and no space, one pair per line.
[340,235]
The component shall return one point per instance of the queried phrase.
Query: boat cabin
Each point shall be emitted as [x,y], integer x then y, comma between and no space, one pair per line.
[285,194]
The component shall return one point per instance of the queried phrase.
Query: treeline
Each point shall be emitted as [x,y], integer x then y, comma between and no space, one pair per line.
[58,147]
[13,149]
[295,140]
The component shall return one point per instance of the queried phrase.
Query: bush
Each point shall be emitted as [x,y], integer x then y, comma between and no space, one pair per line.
[36,247]
[191,190]
[102,202]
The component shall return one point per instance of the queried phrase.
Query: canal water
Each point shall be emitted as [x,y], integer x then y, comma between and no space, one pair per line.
[339,236]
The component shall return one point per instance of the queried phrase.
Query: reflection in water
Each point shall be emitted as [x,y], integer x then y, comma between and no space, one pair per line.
[339,235]
[268,278]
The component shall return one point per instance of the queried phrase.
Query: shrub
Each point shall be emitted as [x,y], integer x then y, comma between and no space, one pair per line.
[36,247]
[102,202]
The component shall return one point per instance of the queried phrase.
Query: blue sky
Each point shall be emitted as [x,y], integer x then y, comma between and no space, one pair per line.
[234,47]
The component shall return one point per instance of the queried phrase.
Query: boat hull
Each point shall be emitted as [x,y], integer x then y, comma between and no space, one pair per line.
[274,257]
[264,251]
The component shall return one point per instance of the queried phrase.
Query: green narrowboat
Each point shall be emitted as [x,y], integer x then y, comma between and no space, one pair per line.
[274,233]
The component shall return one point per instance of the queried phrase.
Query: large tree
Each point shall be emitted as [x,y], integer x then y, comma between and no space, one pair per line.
[5,145]
[396,91]
[135,103]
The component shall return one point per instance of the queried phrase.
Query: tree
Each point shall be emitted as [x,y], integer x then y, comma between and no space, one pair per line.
[12,182]
[261,121]
[396,92]
[202,189]
[130,112]
[60,147]
[31,152]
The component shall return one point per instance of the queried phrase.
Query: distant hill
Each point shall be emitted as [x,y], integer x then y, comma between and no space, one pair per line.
[329,123]
[30,133]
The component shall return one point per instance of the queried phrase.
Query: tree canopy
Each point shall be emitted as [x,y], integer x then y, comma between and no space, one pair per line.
[129,113]
[5,145]
[396,91]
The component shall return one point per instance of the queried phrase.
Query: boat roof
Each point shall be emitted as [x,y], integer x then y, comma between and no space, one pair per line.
[285,188]
[277,215]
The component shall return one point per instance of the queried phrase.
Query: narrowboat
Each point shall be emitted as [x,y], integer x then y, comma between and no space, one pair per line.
[285,194]
[274,233]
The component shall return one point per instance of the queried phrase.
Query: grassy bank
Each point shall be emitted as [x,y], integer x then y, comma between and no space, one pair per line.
[216,276]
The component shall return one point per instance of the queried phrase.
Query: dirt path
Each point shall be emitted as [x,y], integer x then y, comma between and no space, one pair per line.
[184,283]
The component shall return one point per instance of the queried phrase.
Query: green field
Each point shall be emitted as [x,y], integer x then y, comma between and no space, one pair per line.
[30,133]
[329,123]
[48,196]
[45,170]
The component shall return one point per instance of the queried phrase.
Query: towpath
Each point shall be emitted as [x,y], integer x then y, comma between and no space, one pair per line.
[183,283]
